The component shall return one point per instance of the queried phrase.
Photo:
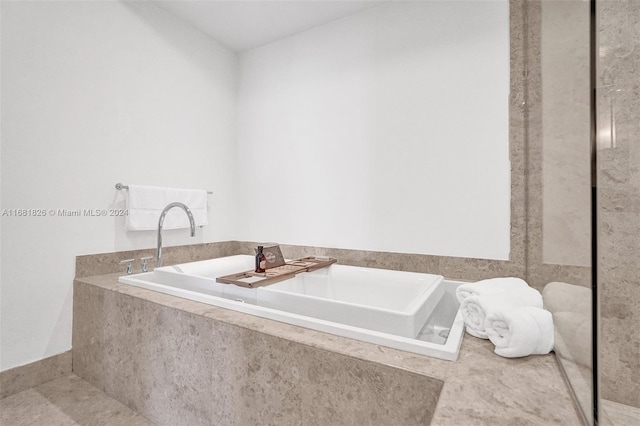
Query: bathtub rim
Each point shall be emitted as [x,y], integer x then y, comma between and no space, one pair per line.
[448,351]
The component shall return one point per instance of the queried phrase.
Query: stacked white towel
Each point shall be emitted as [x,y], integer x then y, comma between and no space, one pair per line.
[518,332]
[509,313]
[490,286]
[475,308]
[145,203]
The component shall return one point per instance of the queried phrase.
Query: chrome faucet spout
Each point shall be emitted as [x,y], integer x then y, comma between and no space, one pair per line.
[192,225]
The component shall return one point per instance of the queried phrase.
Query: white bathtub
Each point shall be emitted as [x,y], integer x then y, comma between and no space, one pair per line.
[404,310]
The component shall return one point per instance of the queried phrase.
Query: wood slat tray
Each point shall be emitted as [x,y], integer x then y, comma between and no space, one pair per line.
[251,279]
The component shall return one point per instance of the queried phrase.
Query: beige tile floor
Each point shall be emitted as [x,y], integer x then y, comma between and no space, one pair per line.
[70,401]
[615,414]
[67,401]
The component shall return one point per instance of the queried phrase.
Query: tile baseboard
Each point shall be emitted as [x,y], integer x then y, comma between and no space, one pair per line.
[27,376]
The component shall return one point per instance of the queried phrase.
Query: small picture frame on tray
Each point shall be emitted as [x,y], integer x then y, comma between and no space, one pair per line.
[274,257]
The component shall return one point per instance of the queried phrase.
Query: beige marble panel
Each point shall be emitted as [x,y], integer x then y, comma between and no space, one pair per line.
[107,263]
[176,367]
[483,389]
[518,134]
[154,359]
[619,291]
[450,267]
[618,154]
[539,272]
[533,125]
[566,133]
[27,376]
[310,386]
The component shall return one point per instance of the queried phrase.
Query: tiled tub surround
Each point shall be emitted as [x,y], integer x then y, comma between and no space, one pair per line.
[173,359]
[181,362]
[106,263]
[450,267]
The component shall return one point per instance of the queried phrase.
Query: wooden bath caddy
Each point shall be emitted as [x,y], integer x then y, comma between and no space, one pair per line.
[290,269]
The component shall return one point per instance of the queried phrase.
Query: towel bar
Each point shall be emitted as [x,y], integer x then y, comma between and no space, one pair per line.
[120,187]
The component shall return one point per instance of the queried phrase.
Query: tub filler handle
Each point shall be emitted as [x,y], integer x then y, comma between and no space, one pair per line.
[129,263]
[145,263]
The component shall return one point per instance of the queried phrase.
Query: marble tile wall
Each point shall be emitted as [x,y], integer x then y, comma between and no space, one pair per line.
[107,263]
[566,115]
[618,154]
[540,273]
[451,267]
[480,388]
[178,367]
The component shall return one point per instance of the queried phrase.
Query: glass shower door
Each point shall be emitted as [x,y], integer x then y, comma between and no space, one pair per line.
[560,126]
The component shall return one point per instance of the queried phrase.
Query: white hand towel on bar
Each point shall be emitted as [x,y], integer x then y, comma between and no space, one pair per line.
[145,203]
[490,286]
[476,308]
[522,331]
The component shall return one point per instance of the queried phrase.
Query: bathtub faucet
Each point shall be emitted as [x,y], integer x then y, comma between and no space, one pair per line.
[192,224]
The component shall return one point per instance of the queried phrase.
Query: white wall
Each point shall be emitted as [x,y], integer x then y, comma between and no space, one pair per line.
[95,93]
[359,134]
[386,130]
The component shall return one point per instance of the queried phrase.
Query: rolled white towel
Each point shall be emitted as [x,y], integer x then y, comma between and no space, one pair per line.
[490,286]
[522,331]
[476,308]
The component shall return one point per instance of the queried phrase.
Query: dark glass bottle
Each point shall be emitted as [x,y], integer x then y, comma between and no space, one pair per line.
[260,260]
